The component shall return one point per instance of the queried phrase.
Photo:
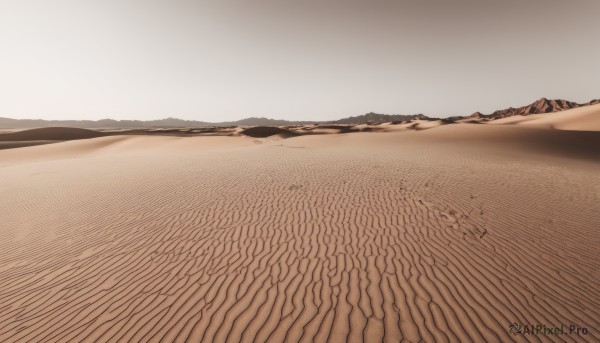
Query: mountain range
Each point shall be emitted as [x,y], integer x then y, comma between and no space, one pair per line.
[542,105]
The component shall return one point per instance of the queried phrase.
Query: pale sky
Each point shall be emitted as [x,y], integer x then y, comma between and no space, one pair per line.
[299,60]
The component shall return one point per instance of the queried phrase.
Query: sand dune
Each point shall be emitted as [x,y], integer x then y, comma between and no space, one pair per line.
[266,131]
[585,118]
[578,119]
[517,140]
[51,133]
[442,235]
[22,144]
[46,135]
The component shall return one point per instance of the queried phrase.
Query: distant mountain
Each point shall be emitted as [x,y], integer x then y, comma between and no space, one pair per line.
[542,105]
[111,123]
[372,117]
[254,121]
[103,123]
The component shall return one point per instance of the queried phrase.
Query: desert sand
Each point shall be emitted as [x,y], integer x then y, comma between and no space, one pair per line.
[422,232]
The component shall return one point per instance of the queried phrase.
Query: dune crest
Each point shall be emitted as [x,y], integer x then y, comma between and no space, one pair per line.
[51,133]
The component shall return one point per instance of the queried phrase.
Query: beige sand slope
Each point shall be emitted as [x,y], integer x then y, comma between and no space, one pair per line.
[578,119]
[46,135]
[441,235]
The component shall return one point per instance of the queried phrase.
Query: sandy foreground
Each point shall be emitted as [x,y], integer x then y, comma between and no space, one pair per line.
[449,234]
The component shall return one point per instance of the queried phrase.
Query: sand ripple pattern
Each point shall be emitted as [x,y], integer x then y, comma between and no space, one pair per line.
[284,243]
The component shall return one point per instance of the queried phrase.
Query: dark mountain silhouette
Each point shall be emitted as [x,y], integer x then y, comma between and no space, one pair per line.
[103,123]
[254,121]
[372,117]
[542,105]
[111,123]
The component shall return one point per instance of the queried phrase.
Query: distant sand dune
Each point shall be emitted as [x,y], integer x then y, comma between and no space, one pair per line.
[266,131]
[51,133]
[585,118]
[22,144]
[443,235]
[46,135]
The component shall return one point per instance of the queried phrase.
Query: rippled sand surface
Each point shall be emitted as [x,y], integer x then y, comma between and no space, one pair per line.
[444,235]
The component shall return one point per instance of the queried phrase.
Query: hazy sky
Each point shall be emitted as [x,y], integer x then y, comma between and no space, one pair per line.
[224,60]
